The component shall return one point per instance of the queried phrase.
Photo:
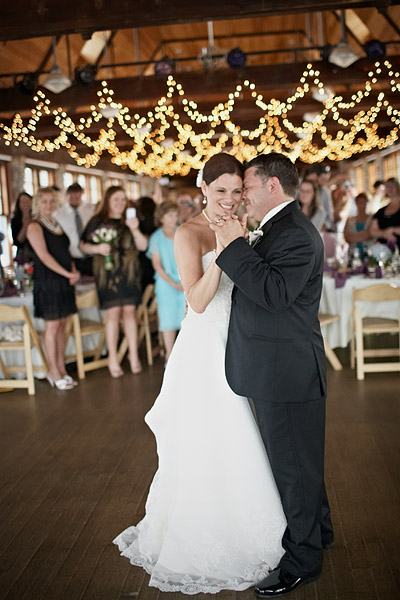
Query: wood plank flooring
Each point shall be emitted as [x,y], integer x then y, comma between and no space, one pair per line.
[75,468]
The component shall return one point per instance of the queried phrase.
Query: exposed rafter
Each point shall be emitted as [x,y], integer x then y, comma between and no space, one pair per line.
[57,17]
[201,85]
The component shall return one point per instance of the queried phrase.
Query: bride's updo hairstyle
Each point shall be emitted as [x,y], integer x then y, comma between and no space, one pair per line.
[219,164]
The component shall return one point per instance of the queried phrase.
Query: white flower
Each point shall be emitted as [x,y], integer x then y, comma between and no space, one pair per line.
[255,235]
[199,178]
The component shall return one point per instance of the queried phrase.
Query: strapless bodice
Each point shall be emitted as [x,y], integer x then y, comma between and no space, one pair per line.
[220,306]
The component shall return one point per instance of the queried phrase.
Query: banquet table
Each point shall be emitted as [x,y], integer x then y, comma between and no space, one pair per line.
[338,301]
[89,342]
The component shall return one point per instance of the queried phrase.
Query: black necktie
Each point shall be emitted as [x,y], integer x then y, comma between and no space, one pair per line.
[78,222]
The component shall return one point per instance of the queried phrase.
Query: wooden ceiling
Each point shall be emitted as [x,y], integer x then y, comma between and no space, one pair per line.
[279,38]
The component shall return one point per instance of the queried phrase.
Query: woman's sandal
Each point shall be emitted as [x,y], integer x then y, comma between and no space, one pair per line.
[60,384]
[70,380]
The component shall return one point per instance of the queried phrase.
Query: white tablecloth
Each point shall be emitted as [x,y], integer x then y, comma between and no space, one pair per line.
[89,342]
[337,301]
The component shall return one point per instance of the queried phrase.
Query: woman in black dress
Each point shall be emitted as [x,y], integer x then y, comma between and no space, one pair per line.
[19,226]
[115,242]
[385,224]
[54,277]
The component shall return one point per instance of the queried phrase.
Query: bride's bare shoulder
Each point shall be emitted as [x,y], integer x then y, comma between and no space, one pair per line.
[191,231]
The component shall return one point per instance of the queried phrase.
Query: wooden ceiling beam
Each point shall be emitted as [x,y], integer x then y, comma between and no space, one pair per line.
[198,85]
[27,19]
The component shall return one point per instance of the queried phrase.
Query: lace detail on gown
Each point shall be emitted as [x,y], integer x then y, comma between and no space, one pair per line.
[213,518]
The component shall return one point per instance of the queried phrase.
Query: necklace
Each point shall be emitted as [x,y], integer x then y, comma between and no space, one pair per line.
[206,216]
[54,228]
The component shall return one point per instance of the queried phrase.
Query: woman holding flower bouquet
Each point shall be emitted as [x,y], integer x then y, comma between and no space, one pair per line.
[114,241]
[54,278]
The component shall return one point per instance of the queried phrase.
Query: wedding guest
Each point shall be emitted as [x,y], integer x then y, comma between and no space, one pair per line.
[378,199]
[168,288]
[187,207]
[385,224]
[54,277]
[341,207]
[321,175]
[146,207]
[310,205]
[19,225]
[116,271]
[73,217]
[356,230]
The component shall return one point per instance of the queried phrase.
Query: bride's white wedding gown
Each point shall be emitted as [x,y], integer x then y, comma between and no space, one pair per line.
[213,515]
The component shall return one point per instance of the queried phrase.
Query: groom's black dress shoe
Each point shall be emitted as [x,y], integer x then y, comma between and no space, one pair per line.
[328,545]
[278,583]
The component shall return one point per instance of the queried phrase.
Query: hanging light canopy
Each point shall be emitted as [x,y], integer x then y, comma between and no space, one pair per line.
[343,54]
[56,81]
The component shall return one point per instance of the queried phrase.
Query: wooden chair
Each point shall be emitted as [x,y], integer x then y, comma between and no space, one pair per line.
[361,326]
[79,327]
[147,322]
[325,319]
[30,340]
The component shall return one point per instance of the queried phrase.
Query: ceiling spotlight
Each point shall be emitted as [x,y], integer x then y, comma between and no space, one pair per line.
[109,112]
[309,117]
[343,54]
[164,67]
[28,84]
[85,75]
[322,94]
[236,58]
[56,81]
[375,50]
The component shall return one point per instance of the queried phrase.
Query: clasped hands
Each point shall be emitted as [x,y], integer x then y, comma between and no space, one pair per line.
[229,228]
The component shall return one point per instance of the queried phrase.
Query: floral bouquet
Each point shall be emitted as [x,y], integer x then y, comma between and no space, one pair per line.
[106,235]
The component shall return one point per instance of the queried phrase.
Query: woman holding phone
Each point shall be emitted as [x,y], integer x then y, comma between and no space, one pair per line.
[114,238]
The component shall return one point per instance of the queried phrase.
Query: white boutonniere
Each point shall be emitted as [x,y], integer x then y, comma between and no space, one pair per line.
[254,236]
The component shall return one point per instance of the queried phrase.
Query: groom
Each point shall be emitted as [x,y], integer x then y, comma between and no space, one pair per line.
[275,355]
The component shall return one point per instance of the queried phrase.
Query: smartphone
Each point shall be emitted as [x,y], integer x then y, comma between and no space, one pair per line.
[130,213]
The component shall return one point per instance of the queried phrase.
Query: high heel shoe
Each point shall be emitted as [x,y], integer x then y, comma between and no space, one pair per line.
[70,380]
[60,384]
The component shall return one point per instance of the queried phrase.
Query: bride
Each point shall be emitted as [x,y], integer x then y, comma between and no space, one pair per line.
[213,515]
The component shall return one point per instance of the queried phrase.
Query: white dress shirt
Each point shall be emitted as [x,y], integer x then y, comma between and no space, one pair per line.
[65,216]
[273,212]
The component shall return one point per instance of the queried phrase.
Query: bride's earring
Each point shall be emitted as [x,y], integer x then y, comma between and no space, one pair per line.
[204,200]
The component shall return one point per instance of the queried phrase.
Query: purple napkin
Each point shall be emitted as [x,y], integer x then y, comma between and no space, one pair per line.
[9,289]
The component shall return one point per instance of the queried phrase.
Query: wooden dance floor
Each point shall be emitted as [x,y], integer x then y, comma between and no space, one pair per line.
[75,468]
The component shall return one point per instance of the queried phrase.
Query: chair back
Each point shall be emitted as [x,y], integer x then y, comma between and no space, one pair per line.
[13,313]
[87,299]
[380,292]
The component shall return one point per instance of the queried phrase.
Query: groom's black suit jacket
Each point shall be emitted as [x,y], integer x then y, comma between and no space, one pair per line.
[275,348]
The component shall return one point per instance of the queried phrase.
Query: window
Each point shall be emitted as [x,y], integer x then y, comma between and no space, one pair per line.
[28,181]
[360,178]
[4,212]
[390,166]
[36,177]
[372,174]
[94,189]
[68,179]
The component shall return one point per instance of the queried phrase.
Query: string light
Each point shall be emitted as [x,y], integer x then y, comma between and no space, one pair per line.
[167,140]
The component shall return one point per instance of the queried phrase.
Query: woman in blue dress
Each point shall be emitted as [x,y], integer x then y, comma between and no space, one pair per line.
[168,289]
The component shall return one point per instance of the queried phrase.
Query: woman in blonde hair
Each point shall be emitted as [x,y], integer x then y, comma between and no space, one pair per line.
[114,241]
[54,278]
[169,290]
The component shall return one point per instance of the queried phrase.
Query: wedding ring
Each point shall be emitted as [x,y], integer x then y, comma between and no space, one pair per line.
[218,220]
